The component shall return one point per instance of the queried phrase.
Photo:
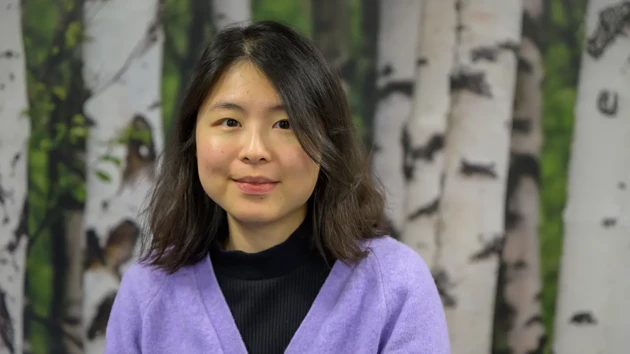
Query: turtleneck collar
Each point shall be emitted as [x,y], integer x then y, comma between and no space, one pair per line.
[273,262]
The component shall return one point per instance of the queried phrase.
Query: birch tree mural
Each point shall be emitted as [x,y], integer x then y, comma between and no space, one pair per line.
[593,289]
[14,143]
[477,143]
[395,66]
[423,136]
[520,282]
[122,70]
[229,12]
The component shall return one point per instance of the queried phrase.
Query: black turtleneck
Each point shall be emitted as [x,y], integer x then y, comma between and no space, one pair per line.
[270,292]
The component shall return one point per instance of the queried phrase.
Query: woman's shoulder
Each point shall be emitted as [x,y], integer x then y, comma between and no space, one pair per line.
[399,266]
[143,281]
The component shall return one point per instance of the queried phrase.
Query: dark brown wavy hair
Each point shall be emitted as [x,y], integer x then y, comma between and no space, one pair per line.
[346,205]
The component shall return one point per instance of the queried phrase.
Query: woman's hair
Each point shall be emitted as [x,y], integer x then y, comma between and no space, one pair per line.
[345,206]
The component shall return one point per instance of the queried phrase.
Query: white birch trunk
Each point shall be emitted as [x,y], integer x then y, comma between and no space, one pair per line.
[477,144]
[14,137]
[230,12]
[123,69]
[521,254]
[593,311]
[424,148]
[395,67]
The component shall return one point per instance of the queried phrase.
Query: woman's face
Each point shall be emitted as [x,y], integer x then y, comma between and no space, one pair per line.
[248,157]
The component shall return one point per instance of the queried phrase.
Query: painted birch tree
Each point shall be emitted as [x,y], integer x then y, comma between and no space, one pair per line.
[122,71]
[471,217]
[520,281]
[423,135]
[593,289]
[14,144]
[395,68]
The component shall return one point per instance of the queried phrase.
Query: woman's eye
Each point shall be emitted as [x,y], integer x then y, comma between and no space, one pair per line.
[230,122]
[284,124]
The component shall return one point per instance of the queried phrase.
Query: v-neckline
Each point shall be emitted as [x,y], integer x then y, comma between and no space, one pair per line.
[220,316]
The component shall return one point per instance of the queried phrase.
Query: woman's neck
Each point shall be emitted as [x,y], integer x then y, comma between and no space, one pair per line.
[256,237]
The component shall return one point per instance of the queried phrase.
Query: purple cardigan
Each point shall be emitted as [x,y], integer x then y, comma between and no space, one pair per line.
[388,303]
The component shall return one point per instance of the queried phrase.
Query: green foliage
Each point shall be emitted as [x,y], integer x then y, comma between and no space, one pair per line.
[296,13]
[74,34]
[564,39]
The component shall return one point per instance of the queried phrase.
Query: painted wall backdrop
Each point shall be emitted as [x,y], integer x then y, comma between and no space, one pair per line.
[500,130]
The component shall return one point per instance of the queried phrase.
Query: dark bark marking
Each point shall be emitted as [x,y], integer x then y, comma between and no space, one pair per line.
[520,265]
[512,219]
[538,296]
[428,209]
[524,66]
[404,87]
[154,105]
[521,166]
[11,77]
[611,24]
[490,53]
[120,243]
[99,322]
[15,160]
[72,320]
[489,248]
[510,46]
[422,61]
[609,222]
[585,317]
[1,87]
[608,103]
[6,324]
[386,70]
[5,195]
[411,153]
[484,53]
[622,185]
[94,253]
[535,319]
[474,82]
[9,54]
[470,169]
[522,125]
[444,285]
[20,231]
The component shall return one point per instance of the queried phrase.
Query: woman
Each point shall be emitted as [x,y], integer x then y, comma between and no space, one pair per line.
[265,221]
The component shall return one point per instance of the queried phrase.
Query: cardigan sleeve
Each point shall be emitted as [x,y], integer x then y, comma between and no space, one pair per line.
[124,327]
[416,322]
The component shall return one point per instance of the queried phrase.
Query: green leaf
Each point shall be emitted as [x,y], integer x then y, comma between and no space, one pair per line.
[103,176]
[79,193]
[45,144]
[78,132]
[73,34]
[113,159]
[60,92]
[78,119]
